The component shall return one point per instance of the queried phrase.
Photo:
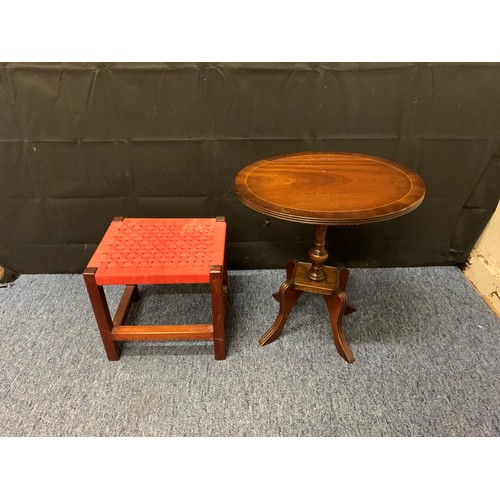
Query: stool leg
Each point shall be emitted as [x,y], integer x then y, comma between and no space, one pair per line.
[102,315]
[218,310]
[225,286]
[287,297]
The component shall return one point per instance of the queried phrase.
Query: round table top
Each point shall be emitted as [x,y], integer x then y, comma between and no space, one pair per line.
[329,188]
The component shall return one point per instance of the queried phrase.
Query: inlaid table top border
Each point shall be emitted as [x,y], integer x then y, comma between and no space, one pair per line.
[394,208]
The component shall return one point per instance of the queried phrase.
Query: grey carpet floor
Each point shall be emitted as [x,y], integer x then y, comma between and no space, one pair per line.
[426,345]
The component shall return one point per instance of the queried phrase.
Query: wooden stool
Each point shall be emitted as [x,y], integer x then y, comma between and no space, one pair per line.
[158,251]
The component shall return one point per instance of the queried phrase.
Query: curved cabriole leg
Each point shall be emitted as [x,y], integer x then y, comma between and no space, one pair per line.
[343,279]
[287,298]
[336,305]
[290,267]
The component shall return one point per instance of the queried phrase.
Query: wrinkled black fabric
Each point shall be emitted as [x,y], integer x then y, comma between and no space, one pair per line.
[81,143]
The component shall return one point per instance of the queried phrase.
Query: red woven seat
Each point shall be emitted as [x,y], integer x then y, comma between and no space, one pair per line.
[146,251]
[159,251]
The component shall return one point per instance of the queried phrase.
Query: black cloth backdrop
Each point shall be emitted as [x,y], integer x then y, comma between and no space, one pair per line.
[81,143]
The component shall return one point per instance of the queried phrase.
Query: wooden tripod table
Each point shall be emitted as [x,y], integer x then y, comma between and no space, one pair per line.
[325,189]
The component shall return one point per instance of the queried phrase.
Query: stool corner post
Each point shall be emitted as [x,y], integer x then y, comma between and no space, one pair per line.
[89,275]
[215,269]
[101,312]
[218,311]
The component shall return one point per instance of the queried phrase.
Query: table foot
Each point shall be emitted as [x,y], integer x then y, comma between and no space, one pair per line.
[337,304]
[287,297]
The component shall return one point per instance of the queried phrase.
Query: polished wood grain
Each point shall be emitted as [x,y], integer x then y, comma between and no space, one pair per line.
[162,332]
[325,188]
[318,254]
[329,188]
[102,315]
[302,281]
[288,295]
